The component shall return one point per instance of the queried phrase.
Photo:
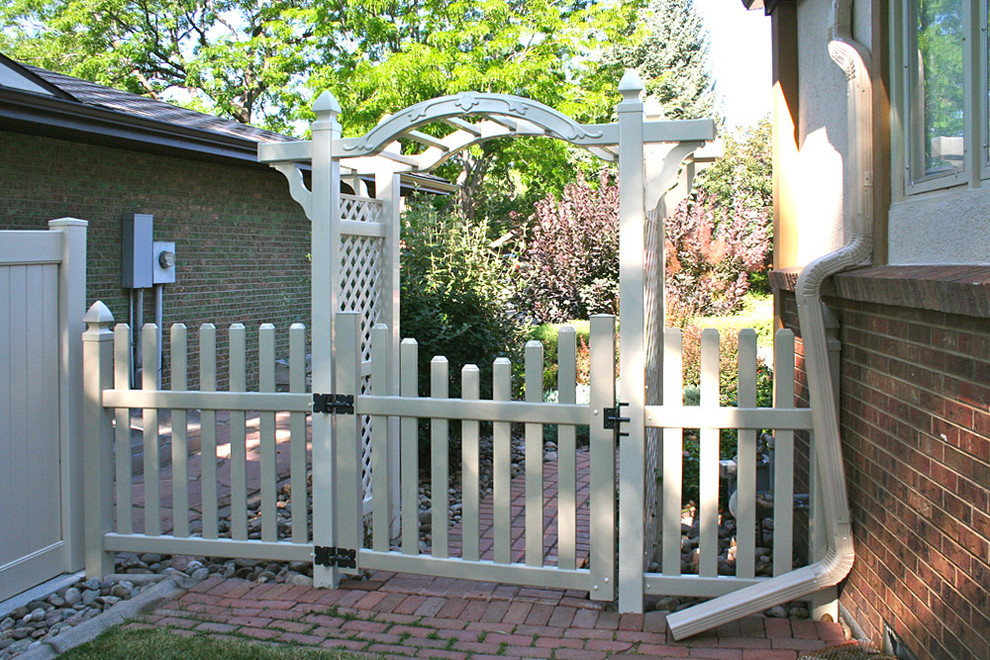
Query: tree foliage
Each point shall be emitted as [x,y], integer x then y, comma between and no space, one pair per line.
[455,294]
[255,62]
[672,58]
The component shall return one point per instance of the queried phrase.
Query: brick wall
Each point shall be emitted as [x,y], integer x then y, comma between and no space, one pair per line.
[241,242]
[915,412]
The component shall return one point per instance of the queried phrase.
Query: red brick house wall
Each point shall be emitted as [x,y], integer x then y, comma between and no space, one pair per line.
[915,415]
[241,241]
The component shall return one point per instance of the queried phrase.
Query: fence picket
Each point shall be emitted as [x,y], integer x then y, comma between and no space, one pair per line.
[602,450]
[746,470]
[566,450]
[266,432]
[470,467]
[122,430]
[439,468]
[208,429]
[409,452]
[673,446]
[708,458]
[180,436]
[381,467]
[348,427]
[783,479]
[502,465]
[534,457]
[238,435]
[149,381]
[297,440]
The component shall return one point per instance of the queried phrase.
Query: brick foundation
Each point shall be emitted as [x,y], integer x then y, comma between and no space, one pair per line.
[241,241]
[915,413]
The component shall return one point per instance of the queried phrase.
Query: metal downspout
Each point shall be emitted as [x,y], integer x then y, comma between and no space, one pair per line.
[854,59]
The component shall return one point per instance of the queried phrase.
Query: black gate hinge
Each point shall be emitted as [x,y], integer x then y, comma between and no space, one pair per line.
[338,404]
[613,421]
[333,556]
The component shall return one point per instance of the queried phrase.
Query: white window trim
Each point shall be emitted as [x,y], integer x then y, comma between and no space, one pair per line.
[976,127]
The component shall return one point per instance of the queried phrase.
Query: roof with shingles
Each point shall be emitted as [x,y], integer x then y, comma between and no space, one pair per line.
[90,93]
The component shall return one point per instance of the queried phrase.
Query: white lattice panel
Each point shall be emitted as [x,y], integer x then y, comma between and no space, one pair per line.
[362,259]
[360,209]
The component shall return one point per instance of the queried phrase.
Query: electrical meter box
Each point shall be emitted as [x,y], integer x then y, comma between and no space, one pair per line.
[136,250]
[164,262]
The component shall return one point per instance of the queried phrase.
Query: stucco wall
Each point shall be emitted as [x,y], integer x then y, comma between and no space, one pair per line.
[819,168]
[241,242]
[945,227]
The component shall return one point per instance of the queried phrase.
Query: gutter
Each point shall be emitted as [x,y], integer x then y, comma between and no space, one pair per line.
[854,60]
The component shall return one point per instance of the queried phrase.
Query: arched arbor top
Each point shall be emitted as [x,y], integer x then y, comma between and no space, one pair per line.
[473,118]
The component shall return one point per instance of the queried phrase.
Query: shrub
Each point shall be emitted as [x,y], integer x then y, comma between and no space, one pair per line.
[569,264]
[455,295]
[709,255]
[546,334]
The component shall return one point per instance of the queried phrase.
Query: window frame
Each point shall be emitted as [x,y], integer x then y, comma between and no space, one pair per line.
[907,112]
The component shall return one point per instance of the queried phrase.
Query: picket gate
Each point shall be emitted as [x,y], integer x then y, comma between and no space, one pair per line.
[351,440]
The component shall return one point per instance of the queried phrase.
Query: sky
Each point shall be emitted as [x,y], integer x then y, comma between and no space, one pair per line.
[740,51]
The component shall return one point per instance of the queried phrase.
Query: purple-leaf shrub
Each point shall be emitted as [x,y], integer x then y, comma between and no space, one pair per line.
[570,265]
[709,255]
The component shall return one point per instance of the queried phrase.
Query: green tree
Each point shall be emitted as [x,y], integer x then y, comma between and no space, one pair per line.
[257,62]
[743,176]
[672,57]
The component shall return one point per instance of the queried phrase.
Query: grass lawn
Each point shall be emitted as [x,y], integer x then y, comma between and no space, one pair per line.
[160,644]
[757,313]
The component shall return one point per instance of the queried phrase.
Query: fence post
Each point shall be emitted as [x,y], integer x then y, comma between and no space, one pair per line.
[72,307]
[602,486]
[98,434]
[324,281]
[632,389]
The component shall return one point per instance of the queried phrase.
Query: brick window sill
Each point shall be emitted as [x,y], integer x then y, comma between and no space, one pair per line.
[963,290]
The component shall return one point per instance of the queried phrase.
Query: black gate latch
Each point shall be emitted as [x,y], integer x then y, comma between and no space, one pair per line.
[338,404]
[333,556]
[613,421]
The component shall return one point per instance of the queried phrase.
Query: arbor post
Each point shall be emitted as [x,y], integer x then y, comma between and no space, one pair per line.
[632,221]
[325,253]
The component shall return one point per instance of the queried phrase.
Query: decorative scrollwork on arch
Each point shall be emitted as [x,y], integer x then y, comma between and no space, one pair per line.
[555,123]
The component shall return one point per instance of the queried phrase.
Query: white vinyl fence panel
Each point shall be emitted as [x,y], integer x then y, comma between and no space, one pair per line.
[37,403]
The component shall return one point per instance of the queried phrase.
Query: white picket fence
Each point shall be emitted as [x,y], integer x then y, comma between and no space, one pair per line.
[521,532]
[164,525]
[673,417]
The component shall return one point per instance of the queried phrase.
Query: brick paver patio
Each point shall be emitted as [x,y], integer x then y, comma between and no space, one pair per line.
[396,615]
[400,615]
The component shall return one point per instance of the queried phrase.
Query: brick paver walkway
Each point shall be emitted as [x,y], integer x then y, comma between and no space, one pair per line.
[395,615]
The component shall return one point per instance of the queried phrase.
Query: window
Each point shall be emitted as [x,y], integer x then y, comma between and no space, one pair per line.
[941,83]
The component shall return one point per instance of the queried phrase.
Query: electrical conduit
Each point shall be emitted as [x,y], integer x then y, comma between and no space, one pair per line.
[853,59]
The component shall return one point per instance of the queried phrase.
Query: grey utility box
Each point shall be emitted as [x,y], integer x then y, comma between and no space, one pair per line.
[137,251]
[164,262]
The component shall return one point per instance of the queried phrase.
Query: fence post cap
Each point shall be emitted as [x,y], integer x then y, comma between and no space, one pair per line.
[98,314]
[326,103]
[68,222]
[631,86]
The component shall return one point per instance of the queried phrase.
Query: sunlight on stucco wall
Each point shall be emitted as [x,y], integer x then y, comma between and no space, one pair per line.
[819,196]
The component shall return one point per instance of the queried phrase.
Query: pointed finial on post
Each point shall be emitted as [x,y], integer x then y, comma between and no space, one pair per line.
[326,105]
[631,86]
[98,317]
